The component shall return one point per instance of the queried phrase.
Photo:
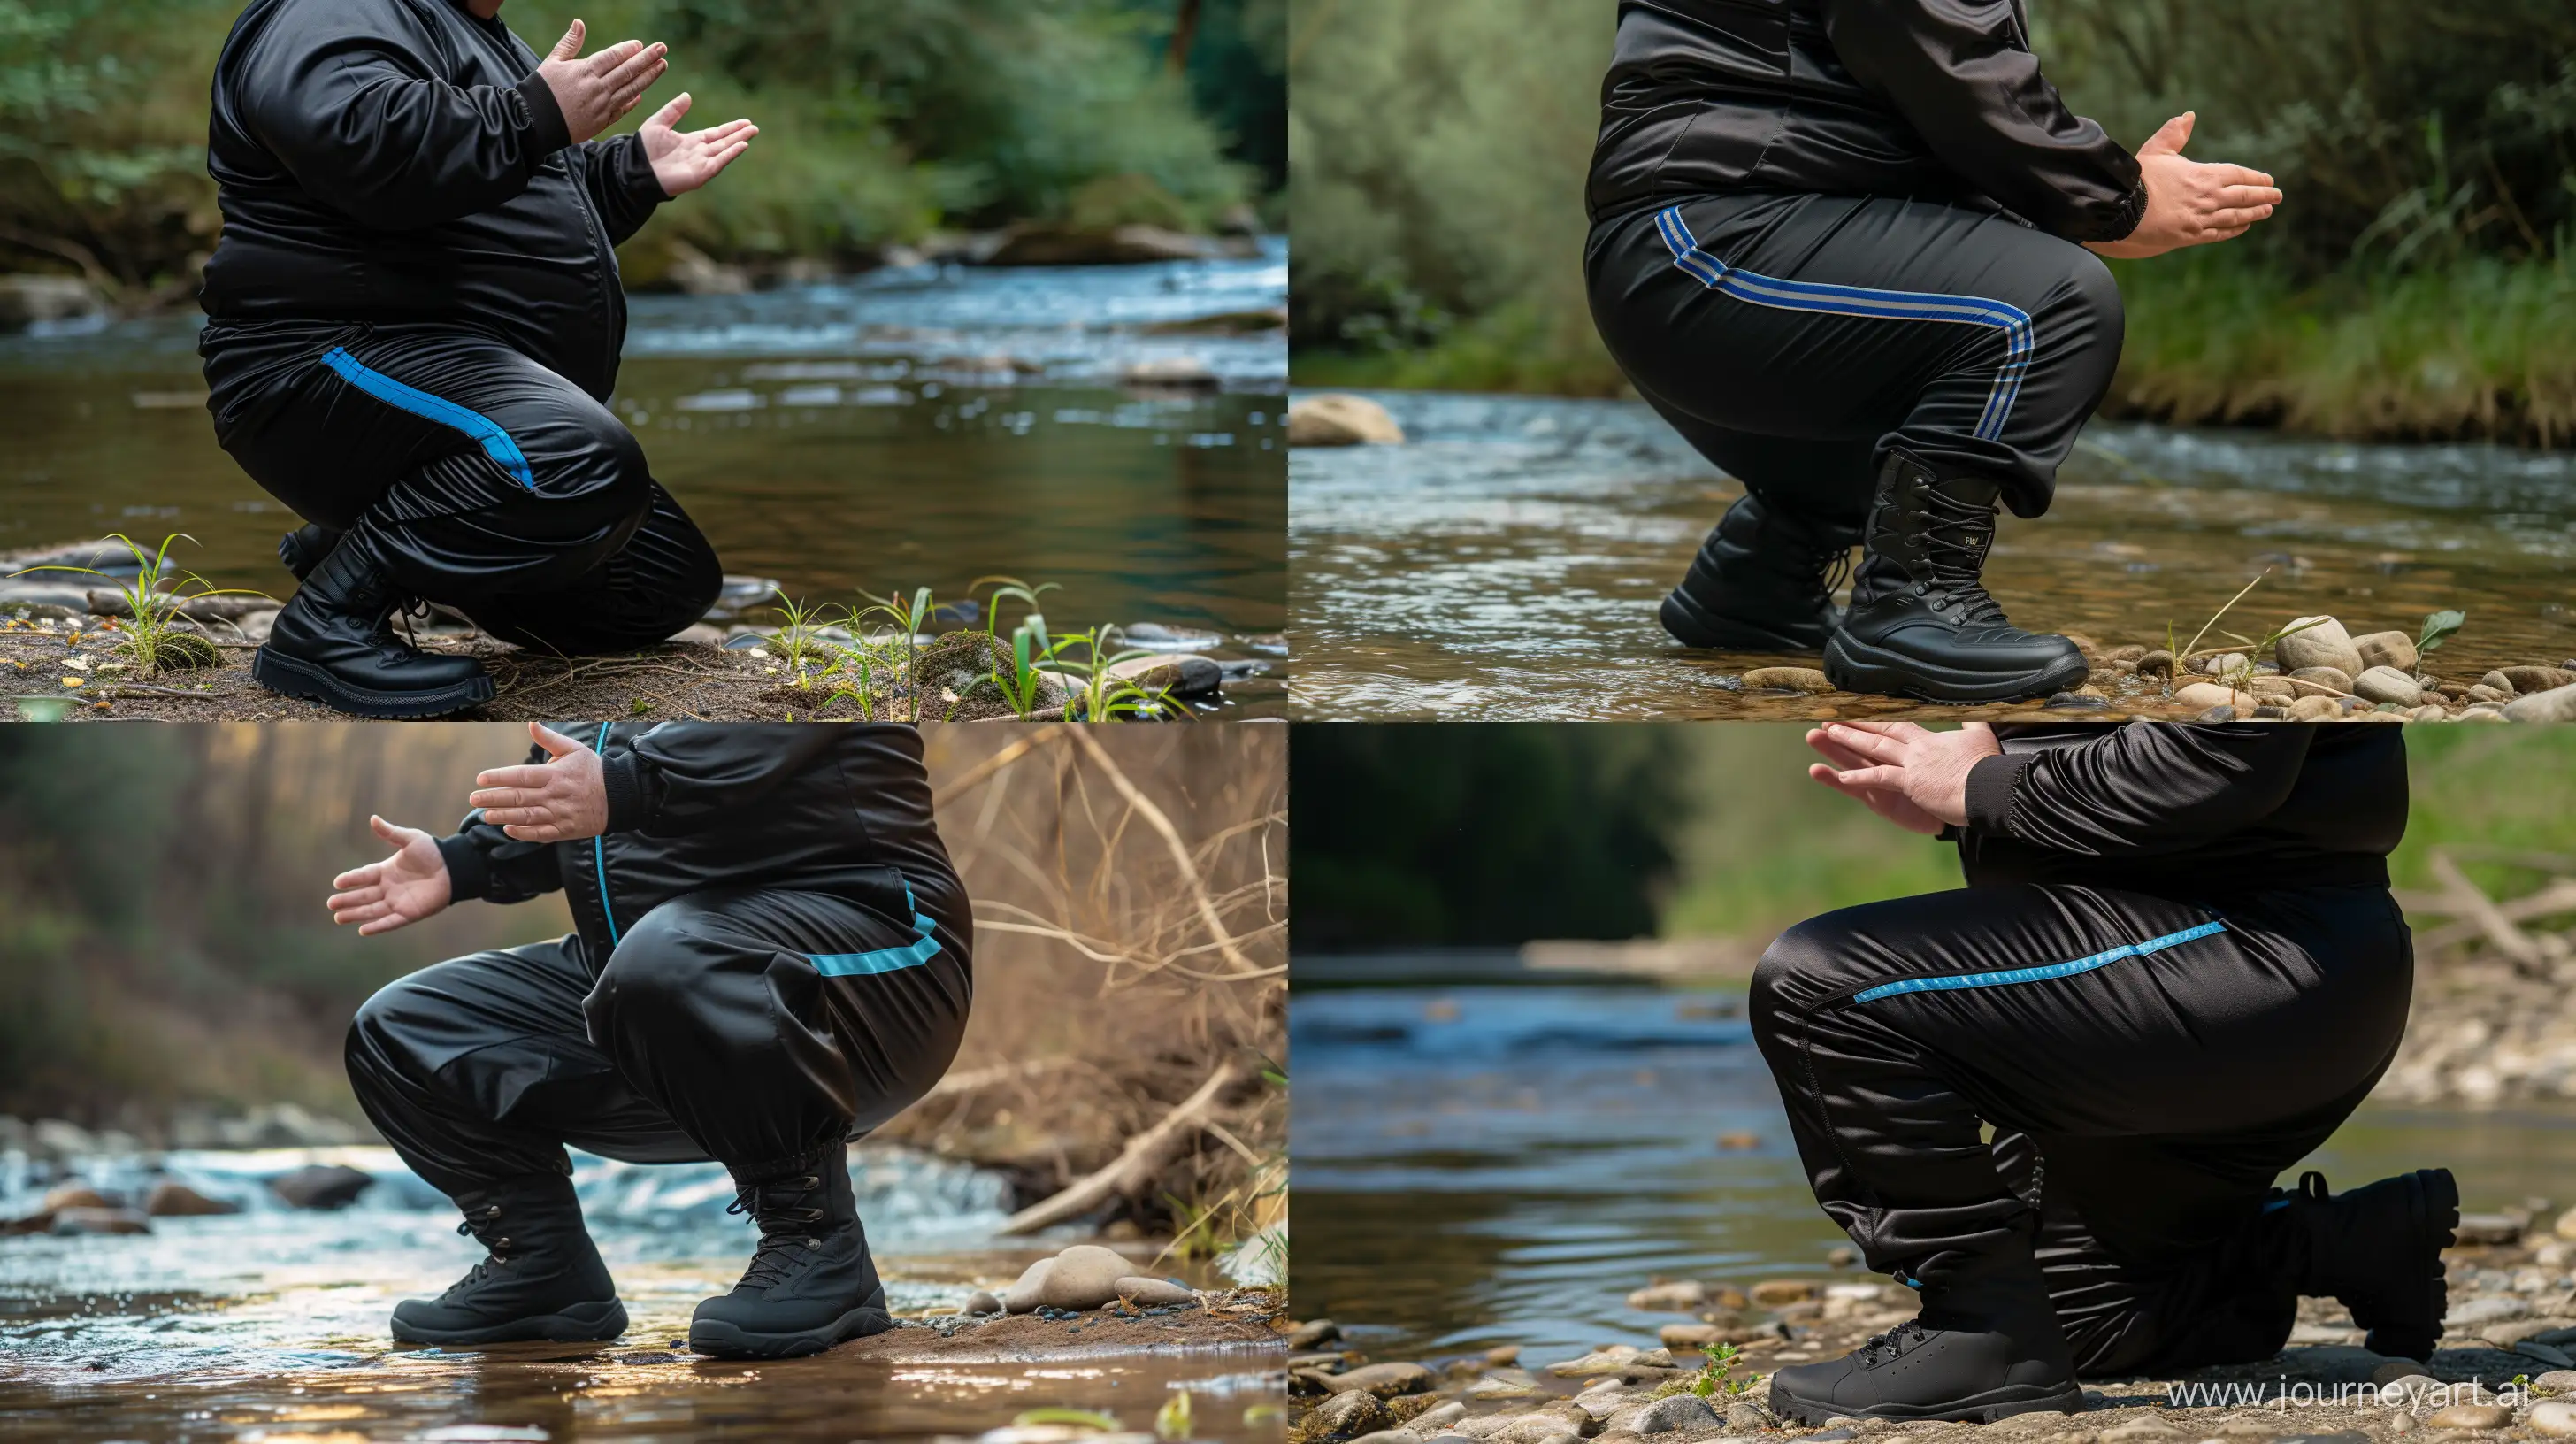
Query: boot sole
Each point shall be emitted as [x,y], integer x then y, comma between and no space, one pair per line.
[2435,1196]
[582,1323]
[1858,667]
[1693,626]
[292,678]
[1983,1408]
[722,1340]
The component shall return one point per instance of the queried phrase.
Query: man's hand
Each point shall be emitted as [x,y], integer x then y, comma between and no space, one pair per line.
[593,92]
[565,800]
[2190,203]
[404,888]
[1912,776]
[684,161]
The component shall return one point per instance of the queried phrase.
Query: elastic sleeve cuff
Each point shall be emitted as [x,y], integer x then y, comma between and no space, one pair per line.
[2133,209]
[635,174]
[469,873]
[547,132]
[623,777]
[1990,789]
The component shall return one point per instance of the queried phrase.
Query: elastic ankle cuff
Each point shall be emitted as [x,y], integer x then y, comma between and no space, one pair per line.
[793,1165]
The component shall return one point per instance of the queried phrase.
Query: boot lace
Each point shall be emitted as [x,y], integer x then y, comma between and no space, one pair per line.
[1879,1348]
[776,1205]
[1956,536]
[484,1226]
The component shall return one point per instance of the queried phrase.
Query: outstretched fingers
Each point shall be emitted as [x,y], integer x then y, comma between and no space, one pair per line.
[570,45]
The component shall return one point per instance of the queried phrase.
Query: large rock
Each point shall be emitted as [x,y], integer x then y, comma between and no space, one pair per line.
[2325,644]
[2558,705]
[27,300]
[2387,684]
[1389,1379]
[170,1199]
[1084,1276]
[1182,674]
[1042,244]
[1680,1411]
[2387,649]
[1338,420]
[321,1186]
[1147,1292]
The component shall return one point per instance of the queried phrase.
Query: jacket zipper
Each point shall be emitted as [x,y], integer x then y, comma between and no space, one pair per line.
[599,857]
[606,256]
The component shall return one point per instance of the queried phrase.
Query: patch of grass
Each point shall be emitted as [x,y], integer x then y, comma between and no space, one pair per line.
[157,635]
[1715,1379]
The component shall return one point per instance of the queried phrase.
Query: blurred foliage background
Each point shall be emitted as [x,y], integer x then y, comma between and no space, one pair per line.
[2416,282]
[880,123]
[1478,834]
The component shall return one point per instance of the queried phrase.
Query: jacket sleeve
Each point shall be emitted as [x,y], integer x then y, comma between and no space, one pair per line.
[2138,790]
[687,776]
[623,188]
[347,100]
[1958,72]
[485,862]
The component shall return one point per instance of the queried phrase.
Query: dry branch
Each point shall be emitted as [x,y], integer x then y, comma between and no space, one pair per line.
[1142,1158]
[2468,901]
[1155,818]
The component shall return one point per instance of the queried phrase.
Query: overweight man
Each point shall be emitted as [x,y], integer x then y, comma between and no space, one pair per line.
[413,326]
[1850,250]
[2175,970]
[769,958]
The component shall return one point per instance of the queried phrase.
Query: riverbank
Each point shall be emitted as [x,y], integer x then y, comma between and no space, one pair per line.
[2483,350]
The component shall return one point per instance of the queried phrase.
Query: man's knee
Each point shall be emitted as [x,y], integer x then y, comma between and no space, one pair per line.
[1795,973]
[596,475]
[2088,305]
[661,972]
[381,1041]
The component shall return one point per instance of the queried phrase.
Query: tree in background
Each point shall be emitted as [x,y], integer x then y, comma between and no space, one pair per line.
[1480,834]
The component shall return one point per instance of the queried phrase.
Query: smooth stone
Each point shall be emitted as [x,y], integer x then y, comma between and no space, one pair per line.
[1513,1385]
[2158,663]
[177,1200]
[2340,681]
[1533,1429]
[1022,1296]
[2273,689]
[321,1186]
[2220,665]
[2427,713]
[2527,680]
[2387,649]
[1788,679]
[982,1301]
[1182,674]
[2551,1416]
[2556,1381]
[2316,709]
[2387,684]
[1679,1297]
[1689,1337]
[2481,692]
[1172,373]
[1348,1414]
[2493,1309]
[1747,1415]
[100,1220]
[1084,1276]
[1388,1380]
[2546,1353]
[1772,1293]
[1431,1421]
[2498,1229]
[76,1195]
[2143,1431]
[1679,1411]
[2471,1416]
[1502,1356]
[2325,644]
[2497,681]
[1166,639]
[1312,1333]
[1339,420]
[1153,1292]
[2202,696]
[1390,1436]
[2406,1376]
[2558,705]
[1614,1359]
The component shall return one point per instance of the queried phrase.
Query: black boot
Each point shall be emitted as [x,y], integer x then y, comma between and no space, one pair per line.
[544,1279]
[331,643]
[1921,623]
[304,548]
[2377,1250]
[1762,582]
[811,1283]
[1982,1349]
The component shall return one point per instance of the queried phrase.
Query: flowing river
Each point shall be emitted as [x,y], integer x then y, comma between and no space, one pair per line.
[1506,563]
[269,1324]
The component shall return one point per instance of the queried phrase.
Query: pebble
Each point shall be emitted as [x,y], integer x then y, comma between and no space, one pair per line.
[1339,420]
[1787,679]
[1390,1436]
[982,1301]
[2471,1416]
[1679,1297]
[2556,1381]
[1692,1337]
[2158,663]
[1744,1414]
[2201,696]
[1167,639]
[2318,709]
[2556,705]
[2387,649]
[2325,644]
[1313,1333]
[2340,681]
[2405,1375]
[2387,684]
[1772,1293]
[2526,680]
[1146,1292]
[2086,700]
[2149,1430]
[1349,1413]
[1680,1411]
[321,1186]
[1183,674]
[2221,665]
[177,1200]
[2551,1416]
[1431,1421]
[1388,1380]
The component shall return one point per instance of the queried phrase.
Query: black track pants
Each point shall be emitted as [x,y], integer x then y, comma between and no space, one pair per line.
[2149,1066]
[747,1025]
[485,481]
[1792,339]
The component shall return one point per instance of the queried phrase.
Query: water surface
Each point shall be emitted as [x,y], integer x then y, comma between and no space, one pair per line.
[1492,1165]
[1507,562]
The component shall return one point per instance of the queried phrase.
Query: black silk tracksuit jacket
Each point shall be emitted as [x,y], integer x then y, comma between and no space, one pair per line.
[844,811]
[2185,810]
[1938,100]
[400,161]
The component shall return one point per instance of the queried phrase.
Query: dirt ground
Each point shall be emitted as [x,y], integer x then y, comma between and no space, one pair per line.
[1243,1319]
